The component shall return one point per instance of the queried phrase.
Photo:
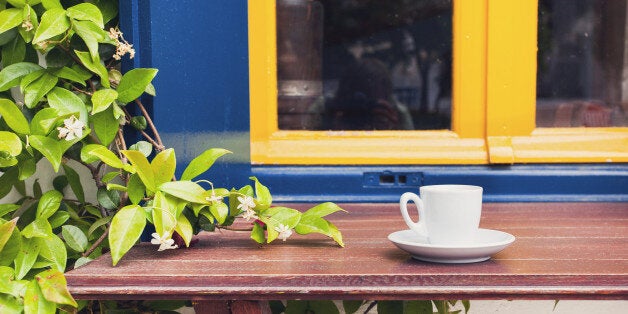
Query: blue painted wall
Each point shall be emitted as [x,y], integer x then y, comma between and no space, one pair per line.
[201,51]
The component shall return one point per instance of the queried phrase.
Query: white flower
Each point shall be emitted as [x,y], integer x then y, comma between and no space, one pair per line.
[72,128]
[164,244]
[246,203]
[214,198]
[284,231]
[249,214]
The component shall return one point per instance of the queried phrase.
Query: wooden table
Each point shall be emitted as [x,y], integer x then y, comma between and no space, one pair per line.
[562,251]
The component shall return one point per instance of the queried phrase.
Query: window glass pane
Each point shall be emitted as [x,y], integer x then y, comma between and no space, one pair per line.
[364,65]
[582,75]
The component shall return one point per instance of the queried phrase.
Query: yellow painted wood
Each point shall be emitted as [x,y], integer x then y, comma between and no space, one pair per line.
[511,67]
[469,68]
[368,148]
[572,145]
[262,69]
[500,150]
[512,135]
[463,145]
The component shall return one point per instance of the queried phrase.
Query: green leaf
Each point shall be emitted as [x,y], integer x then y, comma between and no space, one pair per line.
[164,165]
[10,142]
[95,66]
[10,18]
[6,230]
[81,261]
[184,229]
[202,163]
[66,102]
[54,287]
[49,148]
[419,307]
[139,123]
[351,306]
[86,12]
[91,35]
[264,199]
[105,155]
[186,190]
[26,257]
[106,126]
[53,22]
[135,189]
[35,302]
[7,180]
[311,224]
[389,307]
[39,228]
[323,306]
[51,4]
[35,91]
[164,214]
[108,199]
[53,250]
[258,234]
[98,223]
[220,211]
[286,216]
[75,238]
[143,147]
[142,167]
[126,227]
[322,210]
[71,75]
[58,219]
[44,121]
[11,248]
[75,183]
[48,204]
[28,14]
[13,116]
[14,51]
[335,234]
[102,99]
[10,76]
[133,83]
[7,208]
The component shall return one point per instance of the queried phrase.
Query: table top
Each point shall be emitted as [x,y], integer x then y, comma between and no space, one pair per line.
[561,251]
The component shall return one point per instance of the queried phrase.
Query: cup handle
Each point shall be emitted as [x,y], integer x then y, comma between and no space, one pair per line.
[419,226]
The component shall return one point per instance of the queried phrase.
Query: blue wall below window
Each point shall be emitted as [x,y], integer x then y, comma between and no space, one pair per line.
[201,51]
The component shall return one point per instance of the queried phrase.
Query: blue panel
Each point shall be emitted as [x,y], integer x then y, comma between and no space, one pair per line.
[523,183]
[201,51]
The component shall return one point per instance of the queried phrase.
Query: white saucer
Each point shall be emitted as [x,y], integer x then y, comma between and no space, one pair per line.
[487,242]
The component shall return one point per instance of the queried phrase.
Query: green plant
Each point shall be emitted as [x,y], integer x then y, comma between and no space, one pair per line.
[63,100]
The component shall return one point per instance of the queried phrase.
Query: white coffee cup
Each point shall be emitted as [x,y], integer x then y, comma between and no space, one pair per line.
[448,214]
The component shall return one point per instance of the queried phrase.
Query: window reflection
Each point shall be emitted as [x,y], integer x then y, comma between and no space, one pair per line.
[582,75]
[364,65]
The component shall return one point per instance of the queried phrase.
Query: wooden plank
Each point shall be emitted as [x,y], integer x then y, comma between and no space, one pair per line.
[562,251]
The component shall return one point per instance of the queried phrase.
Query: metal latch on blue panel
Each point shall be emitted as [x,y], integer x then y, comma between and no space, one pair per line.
[392,179]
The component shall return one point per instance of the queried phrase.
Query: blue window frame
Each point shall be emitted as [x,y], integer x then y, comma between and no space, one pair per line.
[201,51]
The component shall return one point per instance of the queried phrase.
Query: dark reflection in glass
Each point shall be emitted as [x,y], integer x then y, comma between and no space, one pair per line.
[364,65]
[582,74]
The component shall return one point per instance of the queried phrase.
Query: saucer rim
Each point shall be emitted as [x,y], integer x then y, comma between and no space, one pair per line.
[509,239]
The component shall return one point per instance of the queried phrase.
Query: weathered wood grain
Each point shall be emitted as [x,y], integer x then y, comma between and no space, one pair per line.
[562,251]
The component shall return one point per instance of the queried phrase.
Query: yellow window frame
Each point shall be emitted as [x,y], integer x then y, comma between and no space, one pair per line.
[511,130]
[464,144]
[493,104]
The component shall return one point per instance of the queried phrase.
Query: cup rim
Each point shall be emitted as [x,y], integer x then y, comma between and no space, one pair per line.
[451,188]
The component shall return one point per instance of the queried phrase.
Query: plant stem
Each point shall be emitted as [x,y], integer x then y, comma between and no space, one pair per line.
[97,243]
[150,123]
[233,228]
